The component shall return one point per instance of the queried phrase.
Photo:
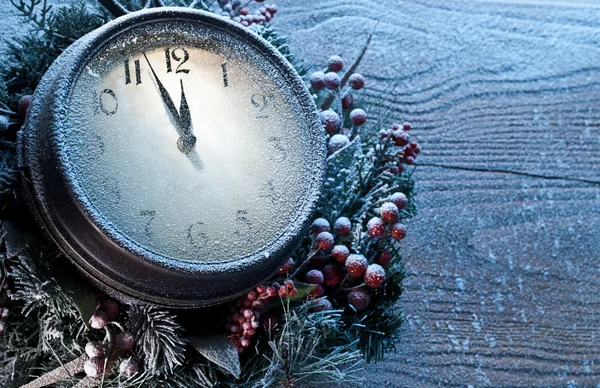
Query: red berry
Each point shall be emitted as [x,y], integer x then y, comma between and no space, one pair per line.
[125,341]
[261,289]
[257,305]
[94,349]
[359,299]
[318,292]
[245,342]
[340,253]
[342,226]
[399,199]
[287,268]
[314,276]
[398,231]
[332,275]
[317,80]
[337,142]
[358,117]
[271,291]
[330,121]
[94,367]
[375,276]
[335,63]
[324,241]
[244,23]
[268,16]
[332,80]
[400,138]
[356,81]
[283,292]
[252,296]
[98,320]
[320,225]
[23,105]
[395,127]
[260,1]
[129,367]
[375,227]
[356,265]
[272,8]
[384,258]
[389,213]
[347,101]
[110,307]
[322,304]
[409,160]
[406,126]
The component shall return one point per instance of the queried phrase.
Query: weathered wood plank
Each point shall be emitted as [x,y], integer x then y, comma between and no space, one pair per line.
[504,266]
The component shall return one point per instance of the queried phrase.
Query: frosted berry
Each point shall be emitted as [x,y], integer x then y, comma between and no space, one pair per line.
[98,320]
[324,241]
[110,307]
[398,231]
[331,121]
[409,160]
[356,81]
[358,117]
[332,80]
[272,8]
[314,276]
[359,299]
[384,258]
[399,199]
[335,63]
[406,126]
[342,226]
[347,101]
[389,213]
[356,265]
[94,349]
[375,227]
[285,269]
[245,342]
[340,253]
[322,304]
[332,275]
[317,293]
[337,142]
[94,367]
[317,80]
[400,138]
[129,367]
[375,276]
[23,105]
[320,225]
[125,340]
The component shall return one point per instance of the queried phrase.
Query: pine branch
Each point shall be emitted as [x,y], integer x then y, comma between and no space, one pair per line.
[114,7]
[61,373]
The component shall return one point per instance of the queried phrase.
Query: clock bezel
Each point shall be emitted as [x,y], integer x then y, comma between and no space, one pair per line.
[120,269]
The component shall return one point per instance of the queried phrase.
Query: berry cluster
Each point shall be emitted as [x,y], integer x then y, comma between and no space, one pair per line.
[342,124]
[245,316]
[242,14]
[100,353]
[396,149]
[4,292]
[388,223]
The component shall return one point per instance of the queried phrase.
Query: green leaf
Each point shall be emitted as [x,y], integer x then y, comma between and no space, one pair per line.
[16,240]
[81,292]
[218,350]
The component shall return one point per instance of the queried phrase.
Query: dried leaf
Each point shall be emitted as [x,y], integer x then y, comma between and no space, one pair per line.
[218,350]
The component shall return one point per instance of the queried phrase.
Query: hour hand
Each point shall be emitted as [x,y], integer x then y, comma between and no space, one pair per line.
[187,141]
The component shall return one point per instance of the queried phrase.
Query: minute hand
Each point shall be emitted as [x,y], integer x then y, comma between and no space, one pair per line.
[166,98]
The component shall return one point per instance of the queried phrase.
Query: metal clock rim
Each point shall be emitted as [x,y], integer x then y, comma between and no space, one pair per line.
[80,54]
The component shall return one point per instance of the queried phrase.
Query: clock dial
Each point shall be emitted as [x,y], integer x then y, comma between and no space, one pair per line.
[188,146]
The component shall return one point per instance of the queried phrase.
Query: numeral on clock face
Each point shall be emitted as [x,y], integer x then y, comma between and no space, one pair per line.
[179,55]
[138,74]
[197,239]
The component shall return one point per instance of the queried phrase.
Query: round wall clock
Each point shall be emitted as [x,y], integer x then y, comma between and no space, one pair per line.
[175,157]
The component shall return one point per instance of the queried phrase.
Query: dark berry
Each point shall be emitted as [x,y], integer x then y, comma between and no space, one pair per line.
[395,127]
[375,227]
[324,241]
[389,213]
[332,275]
[358,117]
[331,121]
[98,320]
[318,261]
[94,349]
[287,268]
[129,367]
[356,81]
[322,304]
[342,226]
[409,160]
[399,199]
[314,276]
[340,253]
[384,258]
[317,80]
[398,231]
[335,63]
[406,126]
[359,299]
[94,367]
[317,293]
[272,8]
[347,101]
[375,276]
[356,265]
[332,80]
[23,105]
[337,142]
[125,341]
[320,225]
[400,138]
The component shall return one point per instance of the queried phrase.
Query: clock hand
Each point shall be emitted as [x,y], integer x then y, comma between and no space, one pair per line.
[187,141]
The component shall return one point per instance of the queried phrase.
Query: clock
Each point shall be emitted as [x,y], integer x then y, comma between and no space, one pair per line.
[175,157]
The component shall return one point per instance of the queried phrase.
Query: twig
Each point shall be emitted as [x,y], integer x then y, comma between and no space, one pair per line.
[114,7]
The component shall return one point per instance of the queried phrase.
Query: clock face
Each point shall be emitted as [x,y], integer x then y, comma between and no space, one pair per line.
[187,143]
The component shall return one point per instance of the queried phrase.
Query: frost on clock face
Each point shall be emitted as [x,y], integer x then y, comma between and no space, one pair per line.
[244,183]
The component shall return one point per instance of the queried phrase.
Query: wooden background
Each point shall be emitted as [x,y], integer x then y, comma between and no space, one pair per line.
[504,258]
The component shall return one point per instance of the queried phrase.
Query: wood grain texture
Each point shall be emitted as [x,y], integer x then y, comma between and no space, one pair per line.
[504,257]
